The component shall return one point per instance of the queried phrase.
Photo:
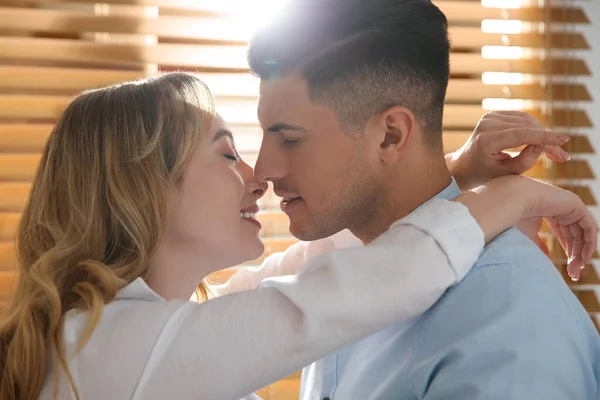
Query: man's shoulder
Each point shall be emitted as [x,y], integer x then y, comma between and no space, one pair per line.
[511,248]
[514,273]
[513,291]
[503,321]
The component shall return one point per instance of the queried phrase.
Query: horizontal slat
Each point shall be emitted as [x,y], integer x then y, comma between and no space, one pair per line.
[18,167]
[574,169]
[60,79]
[472,89]
[595,321]
[13,196]
[579,144]
[72,80]
[8,284]
[584,192]
[471,38]
[589,275]
[24,138]
[473,12]
[227,29]
[69,21]
[218,57]
[32,106]
[9,223]
[589,300]
[246,85]
[8,257]
[85,52]
[465,11]
[475,64]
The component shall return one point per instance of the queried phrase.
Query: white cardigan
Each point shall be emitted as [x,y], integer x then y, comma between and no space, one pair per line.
[148,348]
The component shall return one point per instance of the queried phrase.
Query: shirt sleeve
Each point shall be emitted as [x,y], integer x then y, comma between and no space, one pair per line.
[235,344]
[286,263]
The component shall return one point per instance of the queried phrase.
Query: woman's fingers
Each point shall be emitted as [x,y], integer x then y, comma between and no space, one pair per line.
[555,153]
[575,261]
[565,237]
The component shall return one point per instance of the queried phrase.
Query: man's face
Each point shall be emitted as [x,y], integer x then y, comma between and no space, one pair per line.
[327,180]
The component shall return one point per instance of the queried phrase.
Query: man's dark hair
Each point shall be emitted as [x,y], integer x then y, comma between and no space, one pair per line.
[360,57]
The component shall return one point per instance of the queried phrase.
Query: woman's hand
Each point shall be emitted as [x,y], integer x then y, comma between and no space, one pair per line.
[523,202]
[568,218]
[483,156]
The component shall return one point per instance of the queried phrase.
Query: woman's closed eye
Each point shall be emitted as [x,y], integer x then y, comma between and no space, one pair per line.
[231,157]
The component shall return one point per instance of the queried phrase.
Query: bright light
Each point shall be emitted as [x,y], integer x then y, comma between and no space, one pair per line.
[502,78]
[243,17]
[233,85]
[502,52]
[503,104]
[507,26]
[502,3]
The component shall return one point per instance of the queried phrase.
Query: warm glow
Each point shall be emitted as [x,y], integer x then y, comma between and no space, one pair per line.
[241,17]
[503,104]
[502,78]
[502,52]
[235,85]
[502,3]
[507,26]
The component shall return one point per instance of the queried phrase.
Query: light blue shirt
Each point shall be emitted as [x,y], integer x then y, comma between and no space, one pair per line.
[511,329]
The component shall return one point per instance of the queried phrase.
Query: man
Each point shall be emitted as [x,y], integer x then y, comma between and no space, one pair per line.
[352,95]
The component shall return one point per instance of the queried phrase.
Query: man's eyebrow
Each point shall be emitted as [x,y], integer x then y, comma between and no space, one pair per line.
[282,126]
[222,132]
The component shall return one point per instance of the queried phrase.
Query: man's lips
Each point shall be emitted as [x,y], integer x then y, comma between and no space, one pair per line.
[287,204]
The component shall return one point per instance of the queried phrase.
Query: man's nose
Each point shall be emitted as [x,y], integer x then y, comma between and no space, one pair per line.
[271,164]
[255,187]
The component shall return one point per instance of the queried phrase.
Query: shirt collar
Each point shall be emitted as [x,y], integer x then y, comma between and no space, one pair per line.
[138,290]
[450,192]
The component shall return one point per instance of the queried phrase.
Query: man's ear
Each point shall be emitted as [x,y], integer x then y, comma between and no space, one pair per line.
[397,125]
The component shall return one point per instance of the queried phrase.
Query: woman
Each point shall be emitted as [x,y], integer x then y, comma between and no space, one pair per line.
[140,194]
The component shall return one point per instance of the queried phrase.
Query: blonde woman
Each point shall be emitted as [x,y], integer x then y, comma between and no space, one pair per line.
[141,194]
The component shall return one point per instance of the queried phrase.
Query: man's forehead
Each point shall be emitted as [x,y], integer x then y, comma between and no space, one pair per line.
[282,97]
[291,86]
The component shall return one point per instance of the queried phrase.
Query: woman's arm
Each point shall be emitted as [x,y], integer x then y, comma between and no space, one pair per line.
[235,344]
[285,263]
[523,202]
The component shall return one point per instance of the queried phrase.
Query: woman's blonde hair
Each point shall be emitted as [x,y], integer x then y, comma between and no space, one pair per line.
[95,215]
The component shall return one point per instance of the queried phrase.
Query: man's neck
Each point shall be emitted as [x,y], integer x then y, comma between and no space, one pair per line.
[405,195]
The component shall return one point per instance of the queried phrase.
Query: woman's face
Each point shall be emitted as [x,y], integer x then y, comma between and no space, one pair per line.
[212,212]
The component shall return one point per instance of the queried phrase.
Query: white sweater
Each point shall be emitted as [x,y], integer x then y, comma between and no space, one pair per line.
[148,348]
